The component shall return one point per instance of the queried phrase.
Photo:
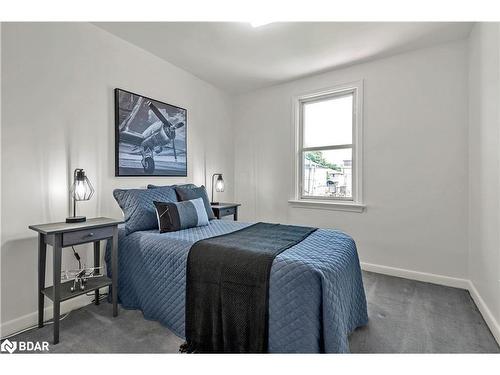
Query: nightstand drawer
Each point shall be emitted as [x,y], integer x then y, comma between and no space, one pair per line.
[227,211]
[87,235]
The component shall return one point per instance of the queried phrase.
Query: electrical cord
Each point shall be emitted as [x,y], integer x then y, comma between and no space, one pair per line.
[48,322]
[102,296]
[77,256]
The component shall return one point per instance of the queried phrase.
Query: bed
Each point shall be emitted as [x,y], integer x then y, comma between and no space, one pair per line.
[316,295]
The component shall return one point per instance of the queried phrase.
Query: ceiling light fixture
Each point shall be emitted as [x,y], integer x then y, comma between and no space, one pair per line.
[259,23]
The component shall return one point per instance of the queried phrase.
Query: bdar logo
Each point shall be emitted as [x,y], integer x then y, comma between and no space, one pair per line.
[8,346]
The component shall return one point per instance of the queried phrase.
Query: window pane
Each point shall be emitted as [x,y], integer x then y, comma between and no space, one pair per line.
[328,173]
[328,122]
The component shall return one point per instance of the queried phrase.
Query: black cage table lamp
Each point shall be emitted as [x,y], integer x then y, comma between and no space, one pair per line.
[219,185]
[81,190]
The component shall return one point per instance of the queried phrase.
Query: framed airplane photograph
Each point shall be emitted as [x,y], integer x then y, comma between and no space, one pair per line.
[150,136]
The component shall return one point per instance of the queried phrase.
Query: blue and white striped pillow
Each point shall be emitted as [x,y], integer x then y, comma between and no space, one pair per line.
[174,216]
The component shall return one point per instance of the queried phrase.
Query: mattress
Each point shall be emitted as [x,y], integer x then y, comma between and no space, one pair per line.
[316,294]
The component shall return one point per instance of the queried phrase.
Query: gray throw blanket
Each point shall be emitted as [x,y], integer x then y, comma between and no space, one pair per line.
[227,288]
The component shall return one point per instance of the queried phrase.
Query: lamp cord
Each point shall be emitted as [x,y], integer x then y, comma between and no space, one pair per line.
[77,256]
[51,321]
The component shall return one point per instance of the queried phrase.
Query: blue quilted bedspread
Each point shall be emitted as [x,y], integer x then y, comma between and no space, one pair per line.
[316,296]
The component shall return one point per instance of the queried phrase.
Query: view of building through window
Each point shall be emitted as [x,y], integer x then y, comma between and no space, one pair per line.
[327,147]
[328,173]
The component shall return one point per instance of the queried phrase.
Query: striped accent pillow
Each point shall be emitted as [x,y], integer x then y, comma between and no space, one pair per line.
[174,216]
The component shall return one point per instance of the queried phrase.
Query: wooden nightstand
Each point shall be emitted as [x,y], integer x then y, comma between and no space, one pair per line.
[60,235]
[226,209]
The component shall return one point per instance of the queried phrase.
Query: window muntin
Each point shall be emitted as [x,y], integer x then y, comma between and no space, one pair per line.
[326,149]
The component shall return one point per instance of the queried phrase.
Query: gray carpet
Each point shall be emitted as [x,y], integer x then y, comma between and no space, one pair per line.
[405,317]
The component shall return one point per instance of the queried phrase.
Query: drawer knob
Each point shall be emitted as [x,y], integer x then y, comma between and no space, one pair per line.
[91,234]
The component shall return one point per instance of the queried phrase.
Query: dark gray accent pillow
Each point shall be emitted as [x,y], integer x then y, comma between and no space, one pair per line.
[138,208]
[181,215]
[186,194]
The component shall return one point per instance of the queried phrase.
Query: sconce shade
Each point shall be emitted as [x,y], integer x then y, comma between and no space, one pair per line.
[82,189]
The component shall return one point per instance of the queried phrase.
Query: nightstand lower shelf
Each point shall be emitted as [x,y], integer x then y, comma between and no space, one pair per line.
[66,293]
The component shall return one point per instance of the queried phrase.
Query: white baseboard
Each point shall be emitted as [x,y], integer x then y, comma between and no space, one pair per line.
[454,282]
[416,275]
[31,319]
[485,312]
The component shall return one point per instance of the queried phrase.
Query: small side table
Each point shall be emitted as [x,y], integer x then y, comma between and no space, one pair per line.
[60,235]
[226,209]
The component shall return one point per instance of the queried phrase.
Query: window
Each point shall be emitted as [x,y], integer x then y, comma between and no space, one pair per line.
[328,146]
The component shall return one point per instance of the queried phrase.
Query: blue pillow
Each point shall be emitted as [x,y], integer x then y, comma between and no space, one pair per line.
[189,193]
[181,215]
[138,207]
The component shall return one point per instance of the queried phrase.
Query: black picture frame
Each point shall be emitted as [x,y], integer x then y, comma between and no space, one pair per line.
[150,137]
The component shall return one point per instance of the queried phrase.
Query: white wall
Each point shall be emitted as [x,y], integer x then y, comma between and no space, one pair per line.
[484,150]
[415,135]
[58,114]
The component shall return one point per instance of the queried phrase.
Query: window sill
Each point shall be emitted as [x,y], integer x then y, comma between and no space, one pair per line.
[327,205]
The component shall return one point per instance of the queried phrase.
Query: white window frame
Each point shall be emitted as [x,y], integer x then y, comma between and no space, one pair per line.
[351,204]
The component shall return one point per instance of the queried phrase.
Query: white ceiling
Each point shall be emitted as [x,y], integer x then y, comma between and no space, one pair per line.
[237,57]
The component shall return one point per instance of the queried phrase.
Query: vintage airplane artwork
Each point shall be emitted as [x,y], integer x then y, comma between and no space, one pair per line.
[150,136]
